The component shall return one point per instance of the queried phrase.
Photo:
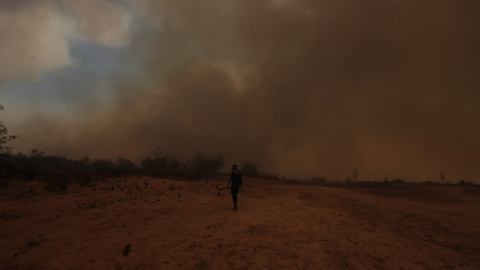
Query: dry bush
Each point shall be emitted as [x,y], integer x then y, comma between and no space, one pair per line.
[249,169]
[166,165]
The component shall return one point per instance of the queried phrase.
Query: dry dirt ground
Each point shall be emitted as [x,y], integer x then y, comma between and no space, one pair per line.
[145,223]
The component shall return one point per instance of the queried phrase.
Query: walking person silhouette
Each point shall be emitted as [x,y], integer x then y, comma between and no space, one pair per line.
[236,181]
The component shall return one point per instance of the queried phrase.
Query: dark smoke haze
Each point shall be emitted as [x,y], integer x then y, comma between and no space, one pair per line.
[302,88]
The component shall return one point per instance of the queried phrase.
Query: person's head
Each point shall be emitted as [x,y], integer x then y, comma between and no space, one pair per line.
[234,166]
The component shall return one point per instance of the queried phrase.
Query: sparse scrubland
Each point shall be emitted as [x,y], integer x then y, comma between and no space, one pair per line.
[59,172]
[101,214]
[169,213]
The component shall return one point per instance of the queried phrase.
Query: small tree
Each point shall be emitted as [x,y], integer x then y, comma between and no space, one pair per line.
[5,138]
[202,166]
[35,153]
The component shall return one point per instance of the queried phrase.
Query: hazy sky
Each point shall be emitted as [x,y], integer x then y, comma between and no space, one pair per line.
[303,88]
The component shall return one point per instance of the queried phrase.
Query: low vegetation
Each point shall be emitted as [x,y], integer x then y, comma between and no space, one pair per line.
[59,172]
[198,166]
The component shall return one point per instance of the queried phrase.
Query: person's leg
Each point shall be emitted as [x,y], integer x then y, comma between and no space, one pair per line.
[234,191]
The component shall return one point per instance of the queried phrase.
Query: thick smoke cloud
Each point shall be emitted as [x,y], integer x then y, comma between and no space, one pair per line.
[35,35]
[303,88]
[20,45]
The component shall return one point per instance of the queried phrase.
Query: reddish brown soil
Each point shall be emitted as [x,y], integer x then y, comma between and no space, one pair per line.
[188,225]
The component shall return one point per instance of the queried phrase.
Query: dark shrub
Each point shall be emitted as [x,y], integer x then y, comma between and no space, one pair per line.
[199,166]
[126,167]
[162,165]
[249,169]
[318,180]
